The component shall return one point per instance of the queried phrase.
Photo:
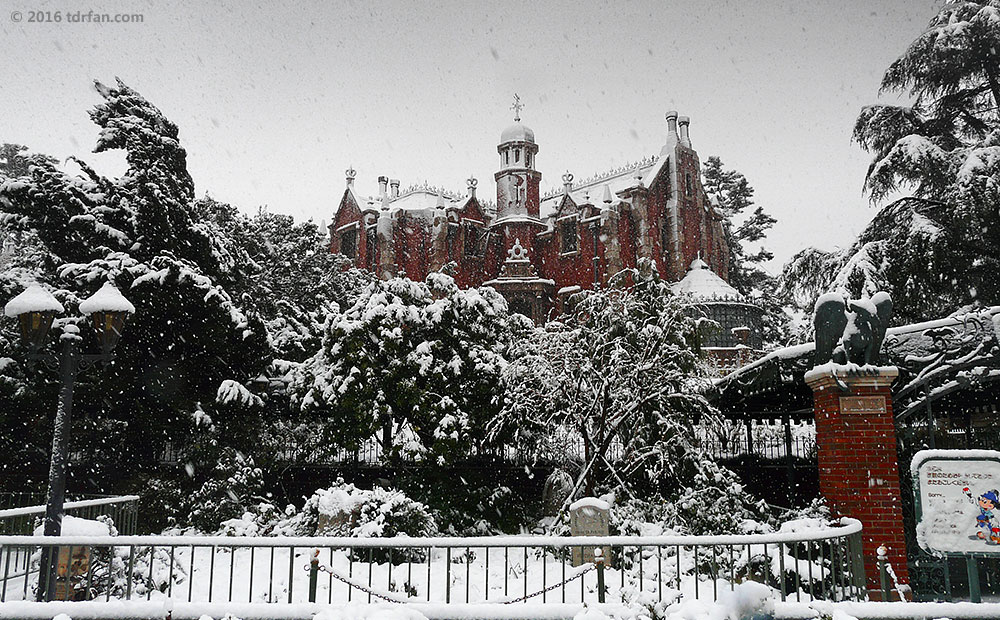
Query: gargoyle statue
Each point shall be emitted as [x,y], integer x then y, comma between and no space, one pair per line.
[850,331]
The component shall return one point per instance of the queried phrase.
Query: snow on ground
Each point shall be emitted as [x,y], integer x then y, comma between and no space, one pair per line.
[747,603]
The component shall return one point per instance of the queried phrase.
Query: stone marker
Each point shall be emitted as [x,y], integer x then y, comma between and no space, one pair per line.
[589,516]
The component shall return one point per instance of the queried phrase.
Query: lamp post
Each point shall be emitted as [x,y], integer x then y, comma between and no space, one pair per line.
[35,309]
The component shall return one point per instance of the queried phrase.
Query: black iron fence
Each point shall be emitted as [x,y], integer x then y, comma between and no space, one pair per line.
[801,566]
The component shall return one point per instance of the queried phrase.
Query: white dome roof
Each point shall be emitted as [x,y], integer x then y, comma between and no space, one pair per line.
[703,283]
[518,132]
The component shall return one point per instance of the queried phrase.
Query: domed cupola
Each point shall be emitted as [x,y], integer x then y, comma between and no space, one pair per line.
[517,180]
[518,132]
[517,143]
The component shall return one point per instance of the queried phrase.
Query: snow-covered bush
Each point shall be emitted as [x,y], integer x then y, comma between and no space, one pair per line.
[229,488]
[347,511]
[473,502]
[623,372]
[426,356]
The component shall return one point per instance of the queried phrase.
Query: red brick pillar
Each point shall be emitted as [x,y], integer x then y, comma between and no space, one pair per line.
[858,464]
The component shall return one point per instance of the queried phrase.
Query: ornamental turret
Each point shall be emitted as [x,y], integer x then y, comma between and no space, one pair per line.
[517,179]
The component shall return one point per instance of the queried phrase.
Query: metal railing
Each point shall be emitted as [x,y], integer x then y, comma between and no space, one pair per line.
[760,445]
[17,561]
[123,510]
[802,566]
[20,499]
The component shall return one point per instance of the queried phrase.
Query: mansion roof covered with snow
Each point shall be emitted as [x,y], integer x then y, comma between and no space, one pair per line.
[537,250]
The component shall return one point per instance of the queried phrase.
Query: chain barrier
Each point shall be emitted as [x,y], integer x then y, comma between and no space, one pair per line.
[388,597]
[552,587]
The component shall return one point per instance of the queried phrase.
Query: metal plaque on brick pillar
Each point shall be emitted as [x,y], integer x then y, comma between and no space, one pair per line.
[589,516]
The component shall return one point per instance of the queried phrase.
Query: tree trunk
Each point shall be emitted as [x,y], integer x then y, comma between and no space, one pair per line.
[994,85]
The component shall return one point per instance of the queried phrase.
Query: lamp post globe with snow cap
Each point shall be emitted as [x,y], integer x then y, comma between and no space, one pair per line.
[35,309]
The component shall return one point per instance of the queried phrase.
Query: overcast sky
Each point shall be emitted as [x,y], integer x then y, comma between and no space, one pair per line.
[275,99]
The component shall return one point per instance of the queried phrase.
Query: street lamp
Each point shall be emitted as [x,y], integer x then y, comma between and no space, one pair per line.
[35,309]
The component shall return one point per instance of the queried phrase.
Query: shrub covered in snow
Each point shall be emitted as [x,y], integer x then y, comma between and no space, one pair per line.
[229,488]
[423,356]
[345,510]
[472,502]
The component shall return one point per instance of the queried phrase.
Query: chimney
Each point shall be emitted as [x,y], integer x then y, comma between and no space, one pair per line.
[567,181]
[382,183]
[394,184]
[685,123]
[672,122]
[350,173]
[472,183]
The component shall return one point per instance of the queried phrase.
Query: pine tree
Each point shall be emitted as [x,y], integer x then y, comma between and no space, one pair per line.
[143,232]
[939,250]
[745,223]
[15,159]
[944,147]
[418,360]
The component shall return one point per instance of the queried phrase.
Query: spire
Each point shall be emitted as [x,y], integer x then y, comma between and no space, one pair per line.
[517,108]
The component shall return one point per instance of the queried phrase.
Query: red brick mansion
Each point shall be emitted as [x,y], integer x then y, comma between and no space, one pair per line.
[536,250]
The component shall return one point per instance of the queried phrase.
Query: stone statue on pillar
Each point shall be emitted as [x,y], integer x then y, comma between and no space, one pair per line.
[850,331]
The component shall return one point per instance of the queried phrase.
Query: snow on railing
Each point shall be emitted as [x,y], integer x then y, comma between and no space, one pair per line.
[814,564]
[84,503]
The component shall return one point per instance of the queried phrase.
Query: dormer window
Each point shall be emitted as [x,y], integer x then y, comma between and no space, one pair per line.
[568,242]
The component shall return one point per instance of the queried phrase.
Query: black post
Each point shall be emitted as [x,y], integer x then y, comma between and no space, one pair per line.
[789,460]
[931,424]
[69,364]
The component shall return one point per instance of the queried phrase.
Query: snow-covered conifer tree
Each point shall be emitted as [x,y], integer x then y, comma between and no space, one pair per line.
[143,232]
[939,250]
[419,360]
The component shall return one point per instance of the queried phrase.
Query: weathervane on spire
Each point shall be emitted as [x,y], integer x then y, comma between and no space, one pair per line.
[517,108]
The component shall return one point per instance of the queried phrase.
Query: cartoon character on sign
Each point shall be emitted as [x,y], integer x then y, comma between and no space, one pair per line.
[985,527]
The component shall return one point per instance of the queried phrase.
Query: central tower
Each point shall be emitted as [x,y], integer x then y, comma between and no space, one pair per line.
[517,179]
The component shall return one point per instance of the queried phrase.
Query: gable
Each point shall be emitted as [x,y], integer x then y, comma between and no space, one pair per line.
[567,206]
[348,210]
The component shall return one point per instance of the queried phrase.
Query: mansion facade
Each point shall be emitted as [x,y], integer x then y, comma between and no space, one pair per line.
[537,250]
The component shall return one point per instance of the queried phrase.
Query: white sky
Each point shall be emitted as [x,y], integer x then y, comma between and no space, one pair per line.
[275,99]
